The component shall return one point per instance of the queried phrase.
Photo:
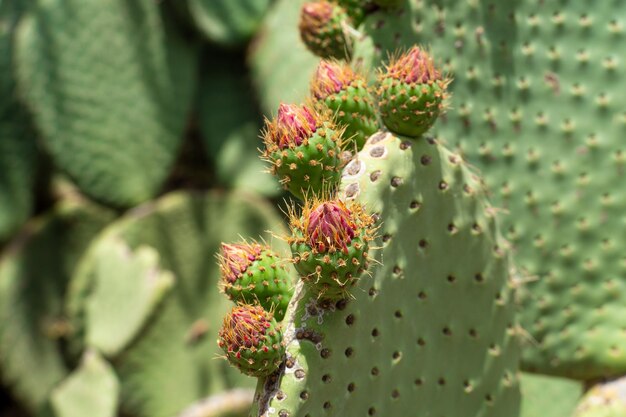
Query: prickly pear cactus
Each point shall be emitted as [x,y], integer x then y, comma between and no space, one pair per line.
[536,110]
[35,271]
[548,396]
[171,362]
[229,23]
[280,42]
[604,400]
[252,273]
[323,28]
[101,77]
[18,152]
[431,330]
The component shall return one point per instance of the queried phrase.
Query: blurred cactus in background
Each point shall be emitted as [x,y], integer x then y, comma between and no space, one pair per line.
[441,236]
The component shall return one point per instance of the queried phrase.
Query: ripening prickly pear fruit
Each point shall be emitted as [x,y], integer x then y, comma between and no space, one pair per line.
[323,29]
[329,244]
[303,146]
[252,340]
[253,274]
[347,95]
[411,93]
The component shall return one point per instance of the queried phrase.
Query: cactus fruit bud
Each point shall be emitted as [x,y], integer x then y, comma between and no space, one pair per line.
[252,340]
[411,93]
[346,94]
[329,244]
[303,146]
[322,29]
[252,273]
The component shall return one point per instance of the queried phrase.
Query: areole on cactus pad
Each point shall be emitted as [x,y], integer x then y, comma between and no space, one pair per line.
[252,273]
[303,145]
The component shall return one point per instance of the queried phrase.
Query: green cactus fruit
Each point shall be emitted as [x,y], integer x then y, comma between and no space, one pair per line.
[303,145]
[323,29]
[330,244]
[347,95]
[252,340]
[253,273]
[433,331]
[110,87]
[604,400]
[411,93]
[35,271]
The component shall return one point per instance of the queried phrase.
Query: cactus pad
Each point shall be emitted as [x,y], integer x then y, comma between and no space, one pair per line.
[432,331]
[172,361]
[548,396]
[109,90]
[35,270]
[252,273]
[536,110]
[92,389]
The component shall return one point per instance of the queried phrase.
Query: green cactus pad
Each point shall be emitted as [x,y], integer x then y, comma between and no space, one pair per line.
[604,400]
[432,330]
[536,109]
[229,23]
[347,95]
[252,340]
[231,138]
[126,291]
[263,278]
[92,389]
[110,89]
[18,152]
[280,42]
[547,396]
[323,29]
[35,270]
[172,362]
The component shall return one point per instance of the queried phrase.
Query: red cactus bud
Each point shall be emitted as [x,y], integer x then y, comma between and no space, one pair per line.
[414,66]
[331,77]
[293,125]
[245,326]
[330,225]
[236,258]
[315,16]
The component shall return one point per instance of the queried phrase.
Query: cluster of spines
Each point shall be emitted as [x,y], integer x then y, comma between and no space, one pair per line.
[411,93]
[303,146]
[330,243]
[252,340]
[253,273]
[346,94]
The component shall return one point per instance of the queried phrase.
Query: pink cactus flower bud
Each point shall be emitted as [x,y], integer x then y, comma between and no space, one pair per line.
[330,78]
[236,258]
[414,66]
[330,226]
